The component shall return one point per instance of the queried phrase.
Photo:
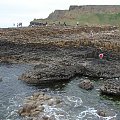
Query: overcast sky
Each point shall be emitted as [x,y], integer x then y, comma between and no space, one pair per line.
[14,11]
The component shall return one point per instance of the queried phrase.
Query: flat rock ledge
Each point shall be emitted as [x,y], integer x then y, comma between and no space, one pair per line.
[57,72]
[35,105]
[111,87]
[54,73]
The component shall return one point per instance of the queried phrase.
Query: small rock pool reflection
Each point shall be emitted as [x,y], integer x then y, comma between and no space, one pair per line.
[79,104]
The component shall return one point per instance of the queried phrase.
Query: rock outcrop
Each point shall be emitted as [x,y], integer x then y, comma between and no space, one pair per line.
[86,84]
[58,72]
[96,8]
[57,14]
[84,15]
[111,87]
[61,53]
[34,105]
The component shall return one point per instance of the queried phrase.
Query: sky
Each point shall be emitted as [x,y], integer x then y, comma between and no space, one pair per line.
[15,11]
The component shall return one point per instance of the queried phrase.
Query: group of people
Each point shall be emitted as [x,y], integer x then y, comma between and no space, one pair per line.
[18,24]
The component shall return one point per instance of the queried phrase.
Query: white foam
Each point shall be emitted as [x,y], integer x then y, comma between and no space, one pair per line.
[73,100]
[93,114]
[58,113]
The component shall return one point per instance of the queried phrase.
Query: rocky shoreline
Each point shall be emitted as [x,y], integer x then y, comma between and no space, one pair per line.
[35,105]
[61,53]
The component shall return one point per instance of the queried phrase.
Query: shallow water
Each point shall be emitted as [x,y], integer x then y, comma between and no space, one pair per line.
[79,104]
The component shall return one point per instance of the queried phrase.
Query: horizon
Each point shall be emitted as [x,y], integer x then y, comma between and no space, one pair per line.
[13,12]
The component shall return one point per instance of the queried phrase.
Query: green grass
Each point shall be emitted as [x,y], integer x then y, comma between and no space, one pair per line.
[100,18]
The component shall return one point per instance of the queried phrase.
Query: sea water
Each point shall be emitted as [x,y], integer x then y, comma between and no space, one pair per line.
[79,104]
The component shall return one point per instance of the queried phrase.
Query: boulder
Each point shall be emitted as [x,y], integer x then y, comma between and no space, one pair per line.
[35,104]
[86,84]
[101,113]
[28,110]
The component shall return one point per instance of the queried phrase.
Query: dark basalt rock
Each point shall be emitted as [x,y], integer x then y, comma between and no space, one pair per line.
[111,87]
[62,53]
[65,70]
[86,84]
[101,113]
[54,73]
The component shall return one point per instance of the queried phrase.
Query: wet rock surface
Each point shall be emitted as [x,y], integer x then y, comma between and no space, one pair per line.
[101,113]
[57,72]
[111,87]
[86,84]
[61,53]
[34,106]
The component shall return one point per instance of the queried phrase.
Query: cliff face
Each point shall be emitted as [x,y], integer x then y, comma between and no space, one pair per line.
[96,8]
[73,9]
[57,14]
[85,15]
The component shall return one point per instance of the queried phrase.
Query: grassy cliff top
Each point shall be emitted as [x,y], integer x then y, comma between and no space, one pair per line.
[85,15]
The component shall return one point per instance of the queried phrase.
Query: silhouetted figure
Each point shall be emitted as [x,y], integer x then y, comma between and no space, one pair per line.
[20,24]
[64,24]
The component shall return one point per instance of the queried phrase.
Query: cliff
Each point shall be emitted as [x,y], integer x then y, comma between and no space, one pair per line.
[96,8]
[86,14]
[57,14]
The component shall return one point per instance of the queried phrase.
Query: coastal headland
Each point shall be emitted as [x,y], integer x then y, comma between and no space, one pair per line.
[62,52]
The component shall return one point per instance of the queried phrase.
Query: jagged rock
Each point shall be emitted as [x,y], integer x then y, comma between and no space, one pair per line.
[61,72]
[86,84]
[34,105]
[45,117]
[111,87]
[54,73]
[27,110]
[101,113]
